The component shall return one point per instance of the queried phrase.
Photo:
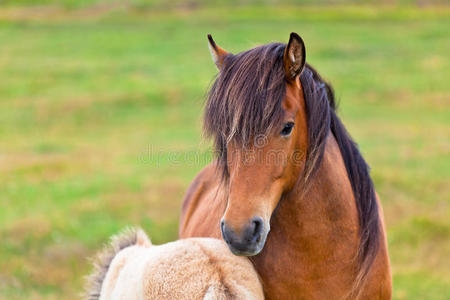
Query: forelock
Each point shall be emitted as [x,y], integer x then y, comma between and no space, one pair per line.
[245,99]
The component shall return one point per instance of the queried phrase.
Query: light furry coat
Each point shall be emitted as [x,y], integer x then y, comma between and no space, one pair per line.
[195,268]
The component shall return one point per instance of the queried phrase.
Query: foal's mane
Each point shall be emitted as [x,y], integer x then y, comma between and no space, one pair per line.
[129,237]
[245,101]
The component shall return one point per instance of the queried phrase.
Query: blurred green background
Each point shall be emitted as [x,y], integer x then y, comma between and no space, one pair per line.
[101,109]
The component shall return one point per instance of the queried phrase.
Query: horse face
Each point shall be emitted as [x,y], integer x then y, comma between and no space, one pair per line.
[260,173]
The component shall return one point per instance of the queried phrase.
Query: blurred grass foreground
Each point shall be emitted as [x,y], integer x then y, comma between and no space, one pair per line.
[101,108]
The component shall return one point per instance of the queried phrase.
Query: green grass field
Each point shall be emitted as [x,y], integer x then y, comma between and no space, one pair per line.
[101,112]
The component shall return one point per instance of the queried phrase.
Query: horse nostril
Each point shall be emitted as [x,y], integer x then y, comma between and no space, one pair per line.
[224,234]
[257,227]
[257,224]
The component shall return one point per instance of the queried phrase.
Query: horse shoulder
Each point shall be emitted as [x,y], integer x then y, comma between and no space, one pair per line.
[200,209]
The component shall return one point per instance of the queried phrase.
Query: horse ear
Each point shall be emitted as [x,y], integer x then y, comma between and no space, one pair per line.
[294,57]
[217,53]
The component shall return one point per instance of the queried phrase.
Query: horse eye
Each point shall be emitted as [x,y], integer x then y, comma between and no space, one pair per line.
[287,129]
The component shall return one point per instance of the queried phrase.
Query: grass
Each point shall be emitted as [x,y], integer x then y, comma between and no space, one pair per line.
[101,127]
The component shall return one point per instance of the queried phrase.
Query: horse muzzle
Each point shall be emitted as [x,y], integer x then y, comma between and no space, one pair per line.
[251,239]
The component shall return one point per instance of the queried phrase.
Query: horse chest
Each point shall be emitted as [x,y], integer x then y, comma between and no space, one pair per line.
[293,268]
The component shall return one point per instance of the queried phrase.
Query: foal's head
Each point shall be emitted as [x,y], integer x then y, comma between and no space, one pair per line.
[256,115]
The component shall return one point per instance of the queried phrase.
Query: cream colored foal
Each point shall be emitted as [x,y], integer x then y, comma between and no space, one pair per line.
[195,268]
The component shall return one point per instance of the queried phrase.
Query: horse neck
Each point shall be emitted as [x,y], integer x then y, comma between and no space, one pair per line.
[325,214]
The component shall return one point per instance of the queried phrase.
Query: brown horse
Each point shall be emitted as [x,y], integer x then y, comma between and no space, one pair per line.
[286,164]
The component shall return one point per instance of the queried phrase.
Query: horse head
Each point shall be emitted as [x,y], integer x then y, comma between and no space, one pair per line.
[256,115]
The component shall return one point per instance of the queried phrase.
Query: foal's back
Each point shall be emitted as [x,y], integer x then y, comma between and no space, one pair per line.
[195,268]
